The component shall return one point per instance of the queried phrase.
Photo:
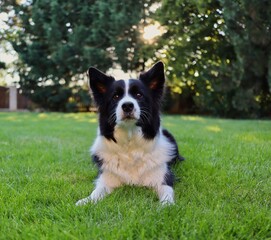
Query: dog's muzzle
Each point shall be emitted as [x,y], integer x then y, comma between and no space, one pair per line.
[128,110]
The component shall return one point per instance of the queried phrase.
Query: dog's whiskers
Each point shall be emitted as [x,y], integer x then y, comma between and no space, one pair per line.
[112,118]
[145,115]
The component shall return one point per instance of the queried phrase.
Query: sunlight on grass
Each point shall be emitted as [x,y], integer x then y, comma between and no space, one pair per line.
[83,117]
[169,124]
[93,120]
[214,128]
[248,137]
[12,119]
[193,118]
[43,115]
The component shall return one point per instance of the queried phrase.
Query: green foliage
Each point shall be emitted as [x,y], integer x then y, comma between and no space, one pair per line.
[218,55]
[222,192]
[196,51]
[58,40]
[248,25]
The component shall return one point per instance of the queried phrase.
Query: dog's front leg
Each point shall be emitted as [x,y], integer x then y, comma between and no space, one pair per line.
[105,184]
[98,193]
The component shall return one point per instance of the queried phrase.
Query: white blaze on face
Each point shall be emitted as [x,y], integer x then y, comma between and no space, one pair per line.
[134,114]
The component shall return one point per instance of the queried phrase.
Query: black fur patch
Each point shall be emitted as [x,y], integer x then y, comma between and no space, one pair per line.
[98,162]
[169,178]
[107,110]
[149,119]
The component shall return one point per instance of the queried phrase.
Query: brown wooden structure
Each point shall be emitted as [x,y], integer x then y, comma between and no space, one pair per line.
[22,101]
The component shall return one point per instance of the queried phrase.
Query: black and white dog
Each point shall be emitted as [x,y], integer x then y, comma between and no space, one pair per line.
[131,147]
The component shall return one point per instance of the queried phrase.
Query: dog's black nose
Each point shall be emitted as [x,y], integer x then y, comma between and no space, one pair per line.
[127,107]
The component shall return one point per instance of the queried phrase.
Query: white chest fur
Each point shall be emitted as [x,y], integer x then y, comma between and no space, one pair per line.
[133,158]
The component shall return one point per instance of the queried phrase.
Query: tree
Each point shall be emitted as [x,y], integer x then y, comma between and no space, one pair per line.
[197,52]
[58,40]
[4,38]
[218,53]
[248,25]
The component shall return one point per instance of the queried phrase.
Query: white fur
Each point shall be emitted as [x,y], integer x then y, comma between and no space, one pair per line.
[127,98]
[134,161]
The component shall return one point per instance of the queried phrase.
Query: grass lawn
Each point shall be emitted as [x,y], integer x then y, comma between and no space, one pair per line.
[223,189]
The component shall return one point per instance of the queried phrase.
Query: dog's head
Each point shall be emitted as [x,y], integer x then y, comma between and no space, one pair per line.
[128,102]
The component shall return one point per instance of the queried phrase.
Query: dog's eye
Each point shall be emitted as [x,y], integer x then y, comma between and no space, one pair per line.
[116,96]
[139,95]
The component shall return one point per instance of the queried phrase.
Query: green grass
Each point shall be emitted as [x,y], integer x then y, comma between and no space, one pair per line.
[223,192]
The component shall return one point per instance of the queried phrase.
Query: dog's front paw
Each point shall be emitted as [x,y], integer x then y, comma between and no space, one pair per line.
[95,196]
[166,195]
[167,201]
[83,201]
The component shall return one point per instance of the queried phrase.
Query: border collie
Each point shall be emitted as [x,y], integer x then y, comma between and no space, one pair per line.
[131,147]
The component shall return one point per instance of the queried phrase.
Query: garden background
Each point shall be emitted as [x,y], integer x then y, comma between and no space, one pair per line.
[216,53]
[218,66]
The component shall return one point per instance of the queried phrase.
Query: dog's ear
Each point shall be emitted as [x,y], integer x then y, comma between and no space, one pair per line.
[154,78]
[99,83]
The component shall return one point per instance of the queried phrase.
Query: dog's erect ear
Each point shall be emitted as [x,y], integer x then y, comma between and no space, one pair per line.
[154,78]
[98,82]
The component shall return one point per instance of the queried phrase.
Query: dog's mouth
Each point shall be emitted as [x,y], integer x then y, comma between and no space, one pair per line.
[128,116]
